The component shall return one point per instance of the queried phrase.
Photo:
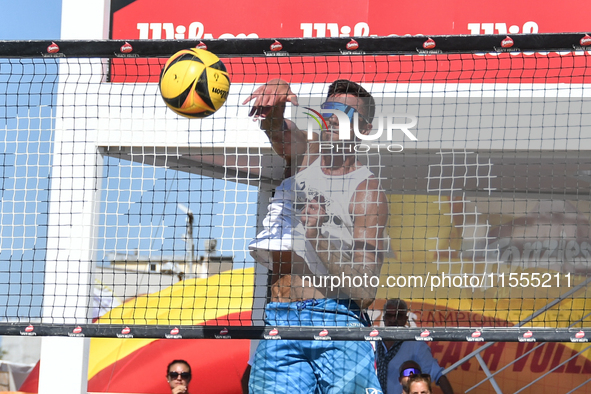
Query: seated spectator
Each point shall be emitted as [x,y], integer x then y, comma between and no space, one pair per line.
[391,354]
[178,375]
[419,384]
[408,369]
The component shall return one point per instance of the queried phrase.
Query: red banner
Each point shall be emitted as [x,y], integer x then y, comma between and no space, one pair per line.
[185,19]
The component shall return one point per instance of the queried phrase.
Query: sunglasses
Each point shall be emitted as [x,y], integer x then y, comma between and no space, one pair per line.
[409,372]
[183,375]
[347,109]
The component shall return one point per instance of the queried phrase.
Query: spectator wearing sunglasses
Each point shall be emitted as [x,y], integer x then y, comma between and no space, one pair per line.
[408,369]
[178,375]
[390,355]
[419,384]
[326,219]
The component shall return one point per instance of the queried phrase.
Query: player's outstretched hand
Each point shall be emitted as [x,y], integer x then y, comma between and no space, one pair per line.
[267,96]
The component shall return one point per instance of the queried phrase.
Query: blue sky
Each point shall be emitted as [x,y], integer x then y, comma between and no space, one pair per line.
[140,203]
[30,19]
[22,206]
[140,211]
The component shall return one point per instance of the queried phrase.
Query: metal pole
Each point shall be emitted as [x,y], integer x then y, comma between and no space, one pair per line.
[552,370]
[579,386]
[189,241]
[487,373]
[523,355]
[521,323]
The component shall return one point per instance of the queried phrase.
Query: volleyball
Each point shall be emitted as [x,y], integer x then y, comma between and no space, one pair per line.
[194,83]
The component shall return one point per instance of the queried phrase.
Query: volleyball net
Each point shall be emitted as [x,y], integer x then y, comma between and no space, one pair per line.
[122,219]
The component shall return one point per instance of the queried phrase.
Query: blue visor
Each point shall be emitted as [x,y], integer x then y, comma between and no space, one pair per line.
[347,109]
[409,372]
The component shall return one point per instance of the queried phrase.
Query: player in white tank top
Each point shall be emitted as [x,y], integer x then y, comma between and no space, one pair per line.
[328,218]
[282,227]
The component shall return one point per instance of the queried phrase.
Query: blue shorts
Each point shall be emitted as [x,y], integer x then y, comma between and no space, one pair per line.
[314,367]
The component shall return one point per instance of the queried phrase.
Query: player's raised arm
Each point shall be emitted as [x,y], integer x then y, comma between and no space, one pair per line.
[268,105]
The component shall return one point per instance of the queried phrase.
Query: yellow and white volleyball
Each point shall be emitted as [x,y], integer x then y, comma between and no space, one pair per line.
[194,83]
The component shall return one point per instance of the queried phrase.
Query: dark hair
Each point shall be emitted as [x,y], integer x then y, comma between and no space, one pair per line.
[177,362]
[400,304]
[344,86]
[420,378]
[409,364]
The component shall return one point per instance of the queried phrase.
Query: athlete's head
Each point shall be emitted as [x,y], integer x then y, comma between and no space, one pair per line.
[350,98]
[406,370]
[419,384]
[367,106]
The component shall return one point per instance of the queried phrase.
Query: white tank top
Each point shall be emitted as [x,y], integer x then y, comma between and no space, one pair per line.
[283,229]
[335,192]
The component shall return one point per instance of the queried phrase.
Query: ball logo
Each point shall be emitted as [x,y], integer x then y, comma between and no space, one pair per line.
[580,335]
[374,333]
[174,331]
[507,42]
[273,332]
[53,48]
[585,41]
[29,328]
[77,330]
[425,333]
[528,334]
[276,46]
[476,334]
[201,45]
[224,331]
[429,44]
[323,333]
[126,48]
[126,331]
[352,45]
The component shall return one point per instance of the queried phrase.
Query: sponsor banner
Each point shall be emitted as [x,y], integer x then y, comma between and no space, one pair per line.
[566,68]
[184,19]
[529,358]
[545,241]
[536,360]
